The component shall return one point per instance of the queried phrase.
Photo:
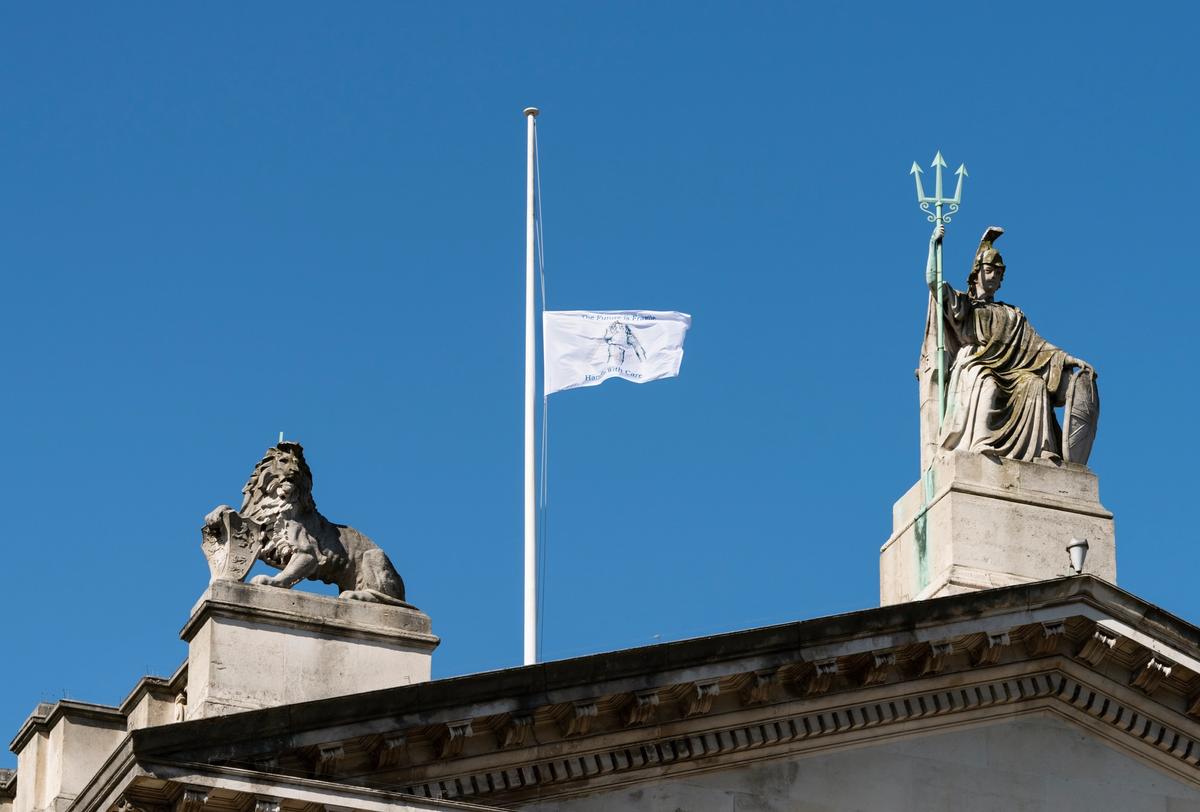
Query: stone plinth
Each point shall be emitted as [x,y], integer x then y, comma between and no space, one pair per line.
[59,749]
[977,522]
[258,646]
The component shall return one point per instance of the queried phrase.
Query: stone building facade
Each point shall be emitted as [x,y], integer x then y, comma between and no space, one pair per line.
[989,679]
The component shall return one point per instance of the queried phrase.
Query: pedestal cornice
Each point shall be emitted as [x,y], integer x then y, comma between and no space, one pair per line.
[319,614]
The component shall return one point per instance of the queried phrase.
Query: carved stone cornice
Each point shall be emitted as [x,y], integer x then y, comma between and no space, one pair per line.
[453,736]
[390,751]
[757,690]
[577,721]
[1097,647]
[695,727]
[994,645]
[154,796]
[1151,675]
[192,799]
[514,730]
[878,668]
[820,679]
[1046,639]
[847,681]
[799,730]
[933,660]
[329,756]
[641,709]
[699,696]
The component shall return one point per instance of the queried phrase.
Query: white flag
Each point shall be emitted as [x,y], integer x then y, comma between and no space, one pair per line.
[587,347]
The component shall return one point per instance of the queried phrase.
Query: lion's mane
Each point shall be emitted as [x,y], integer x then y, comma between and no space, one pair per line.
[283,462]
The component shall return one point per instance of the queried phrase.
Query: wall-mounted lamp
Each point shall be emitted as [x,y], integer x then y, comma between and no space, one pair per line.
[1077,549]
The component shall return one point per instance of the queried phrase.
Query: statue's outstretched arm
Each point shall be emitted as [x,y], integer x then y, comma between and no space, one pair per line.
[930,271]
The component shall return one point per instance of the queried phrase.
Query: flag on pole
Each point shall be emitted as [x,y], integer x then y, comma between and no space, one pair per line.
[587,347]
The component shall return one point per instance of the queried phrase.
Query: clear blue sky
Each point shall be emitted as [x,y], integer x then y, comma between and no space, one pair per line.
[221,221]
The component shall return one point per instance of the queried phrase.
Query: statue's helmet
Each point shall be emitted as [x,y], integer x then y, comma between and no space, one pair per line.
[986,255]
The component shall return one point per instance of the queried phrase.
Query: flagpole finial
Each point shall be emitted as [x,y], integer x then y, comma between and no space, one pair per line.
[532,111]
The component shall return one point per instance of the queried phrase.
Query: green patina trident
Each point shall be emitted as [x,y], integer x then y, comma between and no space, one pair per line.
[942,218]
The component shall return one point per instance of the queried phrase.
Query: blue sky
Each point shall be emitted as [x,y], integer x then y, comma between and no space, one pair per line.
[222,221]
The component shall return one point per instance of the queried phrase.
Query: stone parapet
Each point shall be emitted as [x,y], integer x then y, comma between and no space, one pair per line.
[155,701]
[253,647]
[8,789]
[58,749]
[978,522]
[62,743]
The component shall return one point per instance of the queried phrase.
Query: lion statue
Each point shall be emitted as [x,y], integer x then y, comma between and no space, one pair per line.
[279,524]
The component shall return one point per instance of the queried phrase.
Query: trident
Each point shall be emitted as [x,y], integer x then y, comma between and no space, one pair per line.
[938,216]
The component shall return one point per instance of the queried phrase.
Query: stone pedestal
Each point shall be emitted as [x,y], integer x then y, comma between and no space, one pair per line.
[59,748]
[976,522]
[258,646]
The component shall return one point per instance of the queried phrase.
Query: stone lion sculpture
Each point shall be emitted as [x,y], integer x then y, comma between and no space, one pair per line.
[279,524]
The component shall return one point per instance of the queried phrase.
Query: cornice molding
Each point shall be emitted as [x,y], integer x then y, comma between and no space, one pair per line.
[1060,686]
[1170,743]
[1075,647]
[1068,665]
[47,716]
[377,623]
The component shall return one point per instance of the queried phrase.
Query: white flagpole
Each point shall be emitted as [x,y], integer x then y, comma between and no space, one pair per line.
[530,392]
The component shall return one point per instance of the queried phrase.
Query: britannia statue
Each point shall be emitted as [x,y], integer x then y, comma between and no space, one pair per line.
[990,384]
[1005,380]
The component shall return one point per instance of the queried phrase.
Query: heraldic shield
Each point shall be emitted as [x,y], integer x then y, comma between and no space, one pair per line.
[230,543]
[1081,413]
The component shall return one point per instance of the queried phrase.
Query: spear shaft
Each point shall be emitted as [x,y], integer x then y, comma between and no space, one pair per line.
[941,326]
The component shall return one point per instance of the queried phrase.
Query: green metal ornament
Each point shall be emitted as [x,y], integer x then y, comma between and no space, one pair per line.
[943,209]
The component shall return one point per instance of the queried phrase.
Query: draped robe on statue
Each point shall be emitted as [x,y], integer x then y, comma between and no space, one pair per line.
[1005,379]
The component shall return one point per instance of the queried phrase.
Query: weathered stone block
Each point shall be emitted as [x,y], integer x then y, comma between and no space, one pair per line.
[59,749]
[260,646]
[976,522]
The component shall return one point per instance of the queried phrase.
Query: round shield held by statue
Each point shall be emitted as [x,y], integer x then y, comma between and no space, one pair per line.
[1081,413]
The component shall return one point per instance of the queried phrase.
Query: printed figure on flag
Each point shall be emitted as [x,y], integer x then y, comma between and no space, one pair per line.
[619,338]
[587,347]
